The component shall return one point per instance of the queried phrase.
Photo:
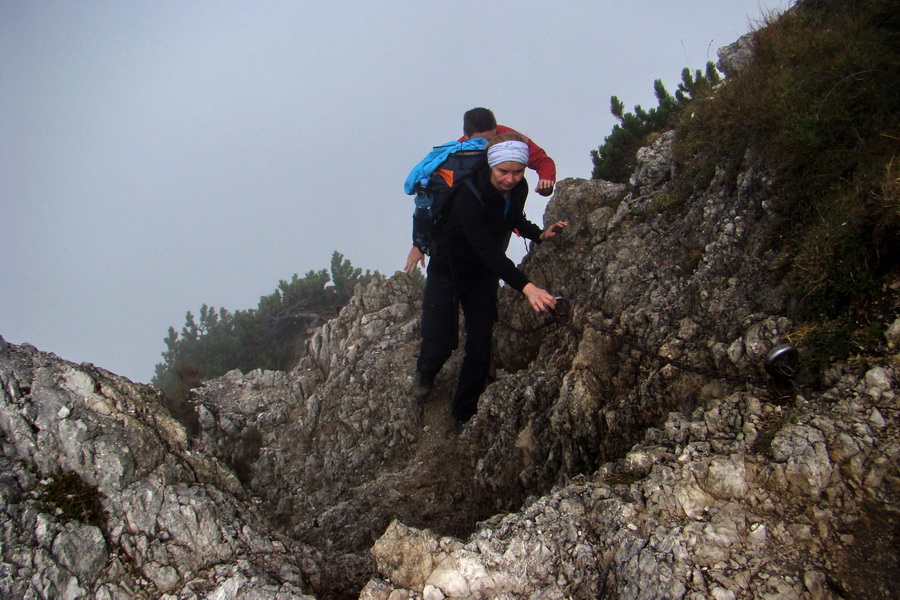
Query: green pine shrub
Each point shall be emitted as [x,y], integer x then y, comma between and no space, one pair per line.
[271,336]
[615,159]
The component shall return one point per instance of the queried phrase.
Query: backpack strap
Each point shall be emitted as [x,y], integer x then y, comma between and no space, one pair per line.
[475,190]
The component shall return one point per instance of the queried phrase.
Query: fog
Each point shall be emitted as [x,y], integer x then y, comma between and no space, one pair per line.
[156,156]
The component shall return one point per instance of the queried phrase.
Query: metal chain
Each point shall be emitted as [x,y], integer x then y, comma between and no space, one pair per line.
[561,316]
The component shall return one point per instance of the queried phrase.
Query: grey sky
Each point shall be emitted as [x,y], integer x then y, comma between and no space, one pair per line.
[155,156]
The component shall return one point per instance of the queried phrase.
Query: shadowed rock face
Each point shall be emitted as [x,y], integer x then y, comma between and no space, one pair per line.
[627,447]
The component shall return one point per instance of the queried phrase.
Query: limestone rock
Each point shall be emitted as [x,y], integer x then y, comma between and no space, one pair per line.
[736,57]
[167,518]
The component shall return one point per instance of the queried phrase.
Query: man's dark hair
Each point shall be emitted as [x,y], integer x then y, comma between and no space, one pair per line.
[478,120]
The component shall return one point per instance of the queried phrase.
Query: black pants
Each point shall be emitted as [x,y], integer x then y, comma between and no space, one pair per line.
[444,294]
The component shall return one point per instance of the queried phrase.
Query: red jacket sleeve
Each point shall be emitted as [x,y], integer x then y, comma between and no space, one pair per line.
[537,158]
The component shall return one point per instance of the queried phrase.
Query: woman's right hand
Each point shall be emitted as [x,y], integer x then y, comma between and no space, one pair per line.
[540,300]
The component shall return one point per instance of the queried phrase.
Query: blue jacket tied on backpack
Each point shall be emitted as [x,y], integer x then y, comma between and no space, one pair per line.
[435,158]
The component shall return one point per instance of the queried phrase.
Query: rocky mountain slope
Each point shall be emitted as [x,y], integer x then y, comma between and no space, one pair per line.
[630,446]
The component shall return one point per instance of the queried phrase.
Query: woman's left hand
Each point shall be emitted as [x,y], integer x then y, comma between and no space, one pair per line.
[413,259]
[554,229]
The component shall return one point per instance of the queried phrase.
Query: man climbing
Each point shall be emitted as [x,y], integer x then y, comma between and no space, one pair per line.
[480,123]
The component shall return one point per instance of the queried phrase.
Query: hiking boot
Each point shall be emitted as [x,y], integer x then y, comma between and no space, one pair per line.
[422,385]
[458,426]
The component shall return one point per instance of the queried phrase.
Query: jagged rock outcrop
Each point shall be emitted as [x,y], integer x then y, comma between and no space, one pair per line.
[736,57]
[629,446]
[169,522]
[739,500]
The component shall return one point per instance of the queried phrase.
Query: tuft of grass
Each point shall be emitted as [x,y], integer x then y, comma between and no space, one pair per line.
[665,203]
[69,496]
[841,339]
[769,428]
[620,478]
[888,198]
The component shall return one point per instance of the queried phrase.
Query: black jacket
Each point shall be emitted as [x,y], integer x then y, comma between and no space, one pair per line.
[474,235]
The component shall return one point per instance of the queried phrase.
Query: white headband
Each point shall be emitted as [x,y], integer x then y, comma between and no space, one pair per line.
[511,150]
